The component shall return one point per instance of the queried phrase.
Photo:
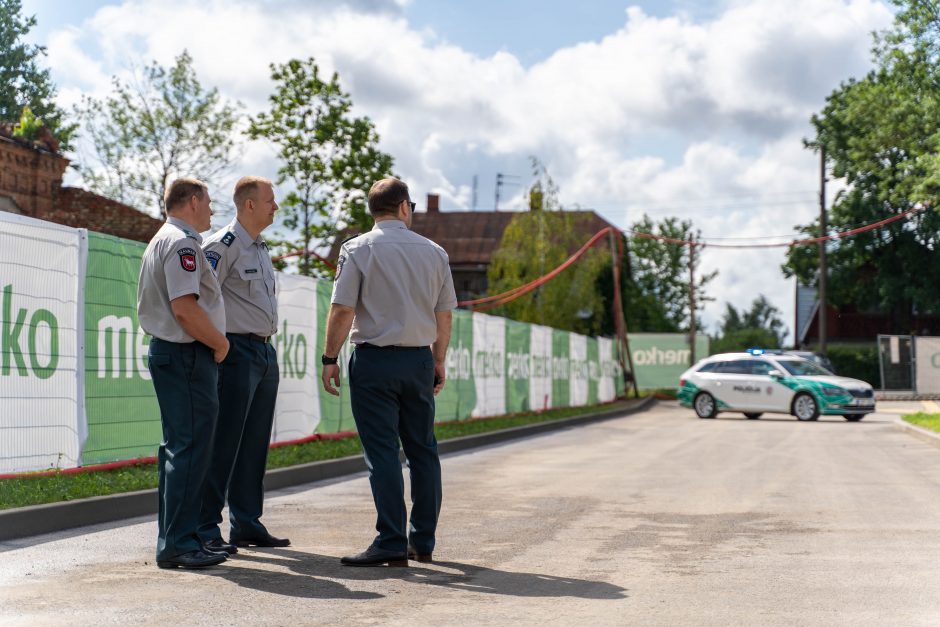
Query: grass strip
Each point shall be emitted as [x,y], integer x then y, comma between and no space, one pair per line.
[925,420]
[34,490]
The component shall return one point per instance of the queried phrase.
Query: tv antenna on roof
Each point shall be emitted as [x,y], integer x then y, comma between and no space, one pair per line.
[504,179]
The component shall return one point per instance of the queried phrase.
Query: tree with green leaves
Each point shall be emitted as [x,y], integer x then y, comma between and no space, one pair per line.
[23,82]
[656,294]
[160,125]
[533,244]
[881,135]
[759,327]
[536,242]
[328,157]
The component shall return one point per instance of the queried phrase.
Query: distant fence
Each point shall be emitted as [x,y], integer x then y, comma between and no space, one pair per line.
[74,384]
[909,363]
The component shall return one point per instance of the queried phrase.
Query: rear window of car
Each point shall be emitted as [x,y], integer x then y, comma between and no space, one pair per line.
[711,366]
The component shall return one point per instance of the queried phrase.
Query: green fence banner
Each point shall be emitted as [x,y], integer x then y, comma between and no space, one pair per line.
[518,338]
[659,358]
[121,409]
[459,396]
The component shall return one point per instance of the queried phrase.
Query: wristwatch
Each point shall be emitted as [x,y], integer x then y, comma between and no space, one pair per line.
[328,361]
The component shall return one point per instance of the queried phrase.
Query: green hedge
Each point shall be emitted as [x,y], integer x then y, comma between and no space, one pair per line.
[858,362]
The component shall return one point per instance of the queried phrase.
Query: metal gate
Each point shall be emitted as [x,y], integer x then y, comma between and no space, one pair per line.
[896,359]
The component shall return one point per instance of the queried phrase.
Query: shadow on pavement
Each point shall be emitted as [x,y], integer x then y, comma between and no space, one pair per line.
[314,574]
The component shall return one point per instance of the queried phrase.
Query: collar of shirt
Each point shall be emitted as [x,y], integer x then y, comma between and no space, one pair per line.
[389,224]
[242,236]
[185,228]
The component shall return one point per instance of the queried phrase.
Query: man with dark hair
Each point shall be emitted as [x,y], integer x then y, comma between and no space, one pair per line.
[394,289]
[179,304]
[248,380]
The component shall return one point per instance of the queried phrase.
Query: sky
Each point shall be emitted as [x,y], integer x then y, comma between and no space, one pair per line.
[689,108]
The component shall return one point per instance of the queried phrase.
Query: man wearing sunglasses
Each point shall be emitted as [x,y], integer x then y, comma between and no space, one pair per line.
[394,290]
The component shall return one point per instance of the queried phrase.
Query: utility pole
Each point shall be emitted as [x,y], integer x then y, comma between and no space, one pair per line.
[823,270]
[473,202]
[692,301]
[620,321]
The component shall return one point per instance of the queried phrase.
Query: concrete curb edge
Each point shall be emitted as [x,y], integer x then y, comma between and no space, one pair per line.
[38,519]
[931,437]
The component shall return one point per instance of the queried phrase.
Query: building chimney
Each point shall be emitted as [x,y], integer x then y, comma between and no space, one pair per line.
[434,203]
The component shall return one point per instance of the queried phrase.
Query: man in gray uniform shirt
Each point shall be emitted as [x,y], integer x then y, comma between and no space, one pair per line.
[249,378]
[179,304]
[394,289]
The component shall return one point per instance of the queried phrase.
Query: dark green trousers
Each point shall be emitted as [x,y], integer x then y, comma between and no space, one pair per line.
[392,393]
[185,378]
[248,382]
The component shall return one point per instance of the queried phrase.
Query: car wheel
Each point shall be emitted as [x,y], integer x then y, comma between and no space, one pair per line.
[853,417]
[805,407]
[705,405]
[752,415]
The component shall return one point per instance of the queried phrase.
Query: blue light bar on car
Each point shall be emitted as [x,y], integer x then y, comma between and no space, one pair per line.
[755,351]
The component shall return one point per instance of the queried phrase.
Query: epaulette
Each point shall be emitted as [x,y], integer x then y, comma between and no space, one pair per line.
[228,238]
[350,238]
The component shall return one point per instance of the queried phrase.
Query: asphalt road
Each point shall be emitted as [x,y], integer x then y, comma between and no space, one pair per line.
[654,519]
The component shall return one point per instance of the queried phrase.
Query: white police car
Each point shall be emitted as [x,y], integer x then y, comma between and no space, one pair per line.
[756,382]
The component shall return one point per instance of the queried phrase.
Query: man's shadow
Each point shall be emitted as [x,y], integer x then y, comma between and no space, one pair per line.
[312,577]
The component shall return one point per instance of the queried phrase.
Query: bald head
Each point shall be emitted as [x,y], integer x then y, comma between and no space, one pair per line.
[386,195]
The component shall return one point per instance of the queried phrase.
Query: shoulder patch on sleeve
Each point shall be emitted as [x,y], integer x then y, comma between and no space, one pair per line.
[187,259]
[213,258]
[228,238]
[339,265]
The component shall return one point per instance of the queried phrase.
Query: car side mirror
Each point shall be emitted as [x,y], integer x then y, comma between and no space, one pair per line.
[775,374]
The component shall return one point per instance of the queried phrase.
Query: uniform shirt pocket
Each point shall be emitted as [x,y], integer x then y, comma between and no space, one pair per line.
[251,277]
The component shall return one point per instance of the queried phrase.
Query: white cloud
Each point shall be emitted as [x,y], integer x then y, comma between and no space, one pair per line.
[664,115]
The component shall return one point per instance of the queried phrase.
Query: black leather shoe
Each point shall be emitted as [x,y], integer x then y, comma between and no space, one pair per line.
[418,557]
[193,559]
[266,540]
[374,556]
[220,546]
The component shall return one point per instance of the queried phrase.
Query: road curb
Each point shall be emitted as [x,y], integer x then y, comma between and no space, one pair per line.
[931,437]
[38,519]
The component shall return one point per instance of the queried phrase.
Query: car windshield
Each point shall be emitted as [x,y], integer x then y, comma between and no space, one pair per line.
[803,368]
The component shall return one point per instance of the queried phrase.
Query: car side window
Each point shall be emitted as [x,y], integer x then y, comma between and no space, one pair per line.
[710,367]
[739,366]
[760,367]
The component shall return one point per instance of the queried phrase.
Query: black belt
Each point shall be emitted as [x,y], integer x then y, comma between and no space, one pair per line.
[264,339]
[390,348]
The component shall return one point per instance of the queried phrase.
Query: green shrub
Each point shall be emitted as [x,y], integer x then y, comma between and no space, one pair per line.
[858,362]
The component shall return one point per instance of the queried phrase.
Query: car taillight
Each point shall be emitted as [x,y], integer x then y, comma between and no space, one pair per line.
[681,383]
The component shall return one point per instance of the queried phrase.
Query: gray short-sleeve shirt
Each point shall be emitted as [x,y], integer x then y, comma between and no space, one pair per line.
[245,272]
[396,280]
[172,266]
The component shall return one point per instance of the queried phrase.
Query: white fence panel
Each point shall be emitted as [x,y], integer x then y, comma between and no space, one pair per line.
[41,423]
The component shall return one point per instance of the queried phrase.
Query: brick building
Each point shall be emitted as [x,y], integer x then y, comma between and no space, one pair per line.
[31,185]
[470,239]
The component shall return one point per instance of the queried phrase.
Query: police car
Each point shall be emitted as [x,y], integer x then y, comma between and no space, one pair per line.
[755,382]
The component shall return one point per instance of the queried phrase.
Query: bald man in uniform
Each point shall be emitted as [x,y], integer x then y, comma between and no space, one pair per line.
[394,289]
[179,304]
[248,380]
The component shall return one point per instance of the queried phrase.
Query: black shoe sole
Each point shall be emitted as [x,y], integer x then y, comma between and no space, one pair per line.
[243,544]
[188,566]
[393,563]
